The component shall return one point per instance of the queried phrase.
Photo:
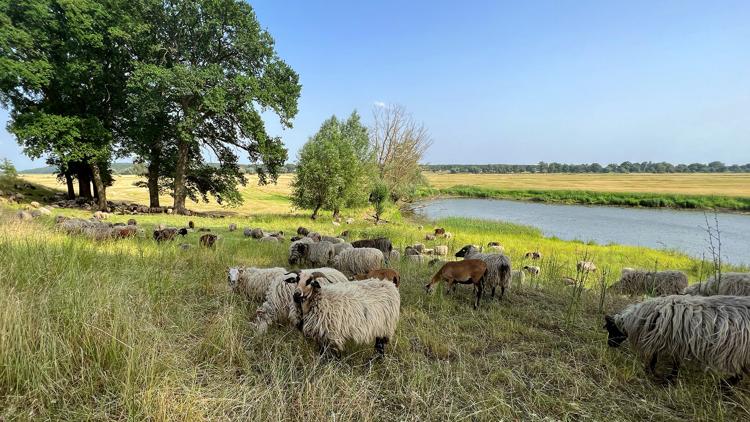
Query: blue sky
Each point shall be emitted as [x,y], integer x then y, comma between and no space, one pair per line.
[522,82]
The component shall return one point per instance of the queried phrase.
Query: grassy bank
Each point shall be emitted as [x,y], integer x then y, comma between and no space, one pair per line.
[133,330]
[622,199]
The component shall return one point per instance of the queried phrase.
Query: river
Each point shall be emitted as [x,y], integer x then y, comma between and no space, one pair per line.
[680,230]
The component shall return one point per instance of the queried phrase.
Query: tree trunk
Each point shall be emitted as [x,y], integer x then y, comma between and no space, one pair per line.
[84,181]
[101,190]
[180,191]
[153,179]
[69,183]
[315,212]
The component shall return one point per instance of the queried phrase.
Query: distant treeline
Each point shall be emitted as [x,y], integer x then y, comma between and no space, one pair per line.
[625,167]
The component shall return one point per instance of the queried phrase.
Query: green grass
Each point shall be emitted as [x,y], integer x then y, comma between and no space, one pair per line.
[630,199]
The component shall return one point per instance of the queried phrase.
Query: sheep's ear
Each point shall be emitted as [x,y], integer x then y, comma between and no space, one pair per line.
[315,285]
[294,279]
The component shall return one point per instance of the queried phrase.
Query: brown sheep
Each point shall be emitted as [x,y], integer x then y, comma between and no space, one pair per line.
[208,240]
[468,271]
[440,231]
[381,274]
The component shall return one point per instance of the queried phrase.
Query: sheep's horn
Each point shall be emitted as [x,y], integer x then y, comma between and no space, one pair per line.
[318,274]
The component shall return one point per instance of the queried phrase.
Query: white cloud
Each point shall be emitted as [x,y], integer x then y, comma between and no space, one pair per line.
[379,104]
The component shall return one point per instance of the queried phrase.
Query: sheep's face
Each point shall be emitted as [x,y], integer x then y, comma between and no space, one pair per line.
[466,250]
[233,276]
[307,286]
[615,336]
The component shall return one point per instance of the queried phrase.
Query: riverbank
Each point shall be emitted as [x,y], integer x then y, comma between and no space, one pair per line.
[582,197]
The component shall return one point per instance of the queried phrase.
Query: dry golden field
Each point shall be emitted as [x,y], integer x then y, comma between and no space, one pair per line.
[725,184]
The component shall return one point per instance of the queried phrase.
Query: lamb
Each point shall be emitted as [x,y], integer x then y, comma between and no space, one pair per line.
[253,282]
[733,284]
[381,274]
[359,260]
[518,277]
[279,307]
[533,270]
[429,236]
[361,313]
[712,331]
[208,240]
[317,254]
[382,243]
[585,266]
[498,267]
[656,283]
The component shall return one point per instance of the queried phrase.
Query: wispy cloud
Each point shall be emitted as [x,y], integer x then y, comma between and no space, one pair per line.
[379,104]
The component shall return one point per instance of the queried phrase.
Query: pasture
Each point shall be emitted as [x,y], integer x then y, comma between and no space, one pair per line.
[130,329]
[718,184]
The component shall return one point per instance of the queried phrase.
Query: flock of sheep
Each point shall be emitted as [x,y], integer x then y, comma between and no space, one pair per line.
[345,293]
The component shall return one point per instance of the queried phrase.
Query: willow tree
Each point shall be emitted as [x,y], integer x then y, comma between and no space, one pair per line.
[215,71]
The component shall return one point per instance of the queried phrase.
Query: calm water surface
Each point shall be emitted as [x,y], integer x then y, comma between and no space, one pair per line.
[654,228]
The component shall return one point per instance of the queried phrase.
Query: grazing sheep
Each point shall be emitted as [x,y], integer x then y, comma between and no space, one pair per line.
[358,260]
[100,215]
[395,256]
[317,254]
[713,332]
[165,234]
[269,239]
[279,234]
[361,313]
[585,266]
[416,259]
[345,234]
[204,229]
[533,255]
[247,232]
[331,239]
[316,237]
[428,251]
[232,227]
[441,250]
[381,274]
[533,270]
[655,283]
[253,282]
[448,235]
[24,215]
[279,307]
[732,284]
[429,236]
[208,240]
[296,238]
[468,271]
[191,224]
[132,222]
[257,233]
[439,231]
[349,220]
[411,250]
[60,218]
[302,231]
[517,277]
[569,281]
[419,247]
[340,247]
[381,243]
[122,232]
[498,267]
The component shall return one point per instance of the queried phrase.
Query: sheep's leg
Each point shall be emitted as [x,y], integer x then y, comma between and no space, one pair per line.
[493,292]
[672,376]
[502,292]
[651,367]
[479,287]
[380,343]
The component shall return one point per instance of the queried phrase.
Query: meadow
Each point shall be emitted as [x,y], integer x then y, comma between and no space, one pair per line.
[730,192]
[134,330]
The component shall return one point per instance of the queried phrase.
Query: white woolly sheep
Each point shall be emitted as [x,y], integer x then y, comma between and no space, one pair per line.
[365,312]
[269,239]
[654,283]
[585,266]
[359,260]
[441,250]
[517,277]
[395,256]
[253,282]
[498,267]
[732,284]
[713,332]
[340,247]
[279,307]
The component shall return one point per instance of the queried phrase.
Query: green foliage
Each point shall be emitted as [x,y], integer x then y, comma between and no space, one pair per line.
[379,198]
[634,199]
[7,169]
[333,167]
